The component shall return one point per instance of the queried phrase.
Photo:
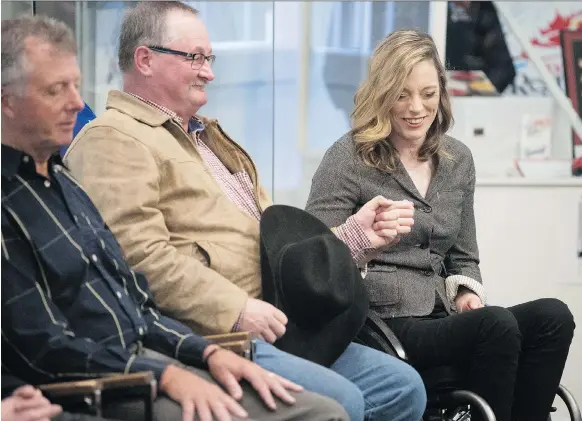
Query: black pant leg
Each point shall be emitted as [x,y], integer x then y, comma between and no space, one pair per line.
[484,344]
[547,327]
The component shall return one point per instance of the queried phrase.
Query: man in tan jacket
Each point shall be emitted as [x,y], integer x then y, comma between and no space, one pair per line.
[184,201]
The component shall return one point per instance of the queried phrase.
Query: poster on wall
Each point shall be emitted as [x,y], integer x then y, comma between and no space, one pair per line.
[541,23]
[571,43]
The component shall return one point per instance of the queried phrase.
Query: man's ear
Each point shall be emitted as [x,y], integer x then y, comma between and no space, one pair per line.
[8,101]
[142,60]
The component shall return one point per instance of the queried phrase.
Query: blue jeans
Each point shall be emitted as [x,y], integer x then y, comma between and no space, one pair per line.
[369,384]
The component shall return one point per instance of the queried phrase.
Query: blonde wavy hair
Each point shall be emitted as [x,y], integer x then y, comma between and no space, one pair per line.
[389,66]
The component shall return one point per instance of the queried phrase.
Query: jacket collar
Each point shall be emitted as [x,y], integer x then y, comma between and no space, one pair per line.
[146,113]
[136,108]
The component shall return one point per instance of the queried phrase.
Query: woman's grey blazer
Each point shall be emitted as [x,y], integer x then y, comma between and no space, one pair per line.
[440,253]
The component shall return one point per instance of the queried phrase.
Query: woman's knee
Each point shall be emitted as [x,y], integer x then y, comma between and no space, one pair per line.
[552,309]
[500,325]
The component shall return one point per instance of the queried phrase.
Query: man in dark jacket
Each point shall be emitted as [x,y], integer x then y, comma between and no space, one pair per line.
[475,41]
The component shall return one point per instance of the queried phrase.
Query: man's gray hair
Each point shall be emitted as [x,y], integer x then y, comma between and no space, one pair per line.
[15,32]
[145,24]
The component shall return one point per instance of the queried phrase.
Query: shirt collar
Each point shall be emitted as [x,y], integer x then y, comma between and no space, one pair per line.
[13,159]
[195,125]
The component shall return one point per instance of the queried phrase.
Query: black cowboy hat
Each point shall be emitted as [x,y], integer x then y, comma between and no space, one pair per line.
[309,274]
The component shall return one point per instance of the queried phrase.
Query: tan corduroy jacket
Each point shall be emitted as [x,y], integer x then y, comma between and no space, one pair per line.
[199,252]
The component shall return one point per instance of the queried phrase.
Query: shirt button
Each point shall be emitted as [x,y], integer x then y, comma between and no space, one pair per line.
[47,183]
[102,243]
[118,294]
[94,258]
[138,312]
[76,219]
[26,159]
[140,331]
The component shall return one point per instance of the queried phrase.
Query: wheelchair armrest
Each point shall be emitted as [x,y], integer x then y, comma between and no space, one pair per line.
[378,335]
[241,343]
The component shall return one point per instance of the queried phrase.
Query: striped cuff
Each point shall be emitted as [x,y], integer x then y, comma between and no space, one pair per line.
[453,282]
[359,244]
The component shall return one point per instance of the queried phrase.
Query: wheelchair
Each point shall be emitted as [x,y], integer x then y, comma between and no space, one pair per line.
[446,399]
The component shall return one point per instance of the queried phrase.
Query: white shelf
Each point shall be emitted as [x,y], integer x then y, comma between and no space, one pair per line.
[530,182]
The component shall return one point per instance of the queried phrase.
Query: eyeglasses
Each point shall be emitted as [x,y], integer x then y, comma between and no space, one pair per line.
[196,59]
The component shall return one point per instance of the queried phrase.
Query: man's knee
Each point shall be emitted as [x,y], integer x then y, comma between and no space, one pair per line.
[164,409]
[315,407]
[350,397]
[405,389]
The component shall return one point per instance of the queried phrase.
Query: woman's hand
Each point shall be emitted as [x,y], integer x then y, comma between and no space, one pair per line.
[467,300]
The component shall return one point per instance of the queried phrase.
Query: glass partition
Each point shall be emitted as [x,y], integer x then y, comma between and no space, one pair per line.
[285,72]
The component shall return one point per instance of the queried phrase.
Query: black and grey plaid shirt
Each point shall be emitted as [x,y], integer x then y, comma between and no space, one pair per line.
[71,305]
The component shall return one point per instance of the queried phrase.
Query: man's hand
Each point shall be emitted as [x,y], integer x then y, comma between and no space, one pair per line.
[264,319]
[28,404]
[467,300]
[197,396]
[384,221]
[229,369]
[400,211]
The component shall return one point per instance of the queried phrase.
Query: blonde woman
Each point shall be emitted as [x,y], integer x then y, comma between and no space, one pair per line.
[428,287]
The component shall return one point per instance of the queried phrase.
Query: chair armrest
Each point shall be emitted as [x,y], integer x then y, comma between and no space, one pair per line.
[135,381]
[376,334]
[144,378]
[241,343]
[72,388]
[231,337]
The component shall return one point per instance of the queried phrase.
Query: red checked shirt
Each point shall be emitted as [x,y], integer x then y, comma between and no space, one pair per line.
[239,189]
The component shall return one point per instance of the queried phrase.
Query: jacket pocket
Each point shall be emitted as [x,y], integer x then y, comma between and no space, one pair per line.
[383,285]
[204,251]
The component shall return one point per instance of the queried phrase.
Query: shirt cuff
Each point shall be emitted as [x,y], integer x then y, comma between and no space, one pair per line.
[137,364]
[453,282]
[359,244]
[190,349]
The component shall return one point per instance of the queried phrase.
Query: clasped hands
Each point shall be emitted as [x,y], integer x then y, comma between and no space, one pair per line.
[384,221]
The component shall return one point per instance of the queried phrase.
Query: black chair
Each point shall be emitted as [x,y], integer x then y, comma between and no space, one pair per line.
[447,400]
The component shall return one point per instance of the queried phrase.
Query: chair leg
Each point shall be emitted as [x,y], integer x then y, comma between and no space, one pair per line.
[570,402]
[476,402]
